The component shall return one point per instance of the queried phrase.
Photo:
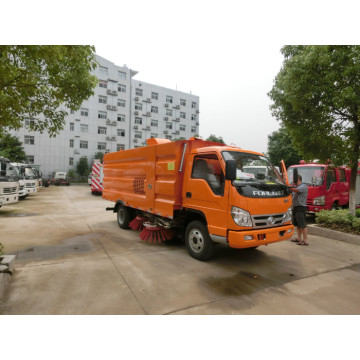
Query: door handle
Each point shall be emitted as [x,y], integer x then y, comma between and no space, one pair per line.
[188,195]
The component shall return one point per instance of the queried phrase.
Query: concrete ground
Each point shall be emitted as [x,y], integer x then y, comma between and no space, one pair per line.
[72,258]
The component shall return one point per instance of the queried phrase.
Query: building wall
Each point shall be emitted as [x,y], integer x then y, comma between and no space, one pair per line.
[109,120]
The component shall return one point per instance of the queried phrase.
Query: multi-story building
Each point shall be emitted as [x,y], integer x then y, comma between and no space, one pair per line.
[122,114]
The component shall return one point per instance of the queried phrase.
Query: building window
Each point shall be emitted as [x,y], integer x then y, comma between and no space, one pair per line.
[138,135]
[182,127]
[121,103]
[154,123]
[193,117]
[168,112]
[29,159]
[169,99]
[120,132]
[103,84]
[29,140]
[71,143]
[183,115]
[121,117]
[138,120]
[138,106]
[102,130]
[102,115]
[71,161]
[193,105]
[72,112]
[154,109]
[71,126]
[193,129]
[84,112]
[169,125]
[84,128]
[103,70]
[120,147]
[154,135]
[29,122]
[121,88]
[168,137]
[138,92]
[154,96]
[182,102]
[122,75]
[83,144]
[101,146]
[102,99]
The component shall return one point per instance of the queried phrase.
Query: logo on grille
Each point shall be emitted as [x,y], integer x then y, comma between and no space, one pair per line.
[270,220]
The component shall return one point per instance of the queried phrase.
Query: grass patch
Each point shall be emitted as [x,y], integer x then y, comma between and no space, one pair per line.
[340,220]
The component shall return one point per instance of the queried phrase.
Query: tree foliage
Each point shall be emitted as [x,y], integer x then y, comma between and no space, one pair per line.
[99,155]
[36,80]
[316,95]
[280,147]
[82,167]
[11,148]
[215,138]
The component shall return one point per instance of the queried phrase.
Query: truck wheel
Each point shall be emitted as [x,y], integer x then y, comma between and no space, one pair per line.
[124,216]
[198,242]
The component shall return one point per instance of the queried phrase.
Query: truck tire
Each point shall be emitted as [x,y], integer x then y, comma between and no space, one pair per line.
[124,216]
[198,242]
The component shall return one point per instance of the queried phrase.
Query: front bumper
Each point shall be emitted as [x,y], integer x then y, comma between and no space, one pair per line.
[9,199]
[260,236]
[23,192]
[31,190]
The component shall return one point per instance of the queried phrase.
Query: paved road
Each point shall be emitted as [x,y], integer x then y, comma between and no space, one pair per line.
[74,259]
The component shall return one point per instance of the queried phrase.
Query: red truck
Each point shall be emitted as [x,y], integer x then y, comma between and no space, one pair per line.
[328,186]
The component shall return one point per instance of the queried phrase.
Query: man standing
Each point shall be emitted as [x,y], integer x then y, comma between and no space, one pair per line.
[299,208]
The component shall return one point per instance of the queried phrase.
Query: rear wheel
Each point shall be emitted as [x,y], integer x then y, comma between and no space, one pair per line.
[198,242]
[124,216]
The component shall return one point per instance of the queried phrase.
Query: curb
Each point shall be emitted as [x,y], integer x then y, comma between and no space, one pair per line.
[6,270]
[333,234]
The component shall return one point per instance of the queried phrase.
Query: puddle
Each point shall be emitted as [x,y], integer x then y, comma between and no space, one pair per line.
[245,282]
[78,244]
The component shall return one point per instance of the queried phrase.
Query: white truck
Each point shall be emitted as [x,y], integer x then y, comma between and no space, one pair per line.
[9,185]
[27,177]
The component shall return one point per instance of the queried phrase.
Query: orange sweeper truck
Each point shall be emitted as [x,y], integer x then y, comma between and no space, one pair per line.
[201,191]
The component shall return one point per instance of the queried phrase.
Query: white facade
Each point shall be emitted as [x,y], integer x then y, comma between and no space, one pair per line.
[121,114]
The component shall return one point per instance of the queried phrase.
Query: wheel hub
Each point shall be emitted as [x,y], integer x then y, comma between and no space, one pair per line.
[196,240]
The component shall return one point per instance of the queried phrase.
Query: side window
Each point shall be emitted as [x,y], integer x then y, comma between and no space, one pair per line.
[330,178]
[209,169]
[342,176]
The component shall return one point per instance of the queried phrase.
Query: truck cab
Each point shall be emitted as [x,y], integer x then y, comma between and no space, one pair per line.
[9,185]
[328,186]
[27,175]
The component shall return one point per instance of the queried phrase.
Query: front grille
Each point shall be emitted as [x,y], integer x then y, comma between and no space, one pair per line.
[21,187]
[10,190]
[309,202]
[30,185]
[270,220]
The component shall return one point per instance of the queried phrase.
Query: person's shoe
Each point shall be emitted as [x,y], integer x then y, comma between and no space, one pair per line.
[302,243]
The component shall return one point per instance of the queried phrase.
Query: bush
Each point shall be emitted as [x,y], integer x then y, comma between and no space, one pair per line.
[357,213]
[1,249]
[338,220]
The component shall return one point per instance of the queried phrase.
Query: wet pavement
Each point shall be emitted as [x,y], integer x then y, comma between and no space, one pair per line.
[72,258]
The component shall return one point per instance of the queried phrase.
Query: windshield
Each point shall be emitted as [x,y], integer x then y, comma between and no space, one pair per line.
[253,168]
[29,174]
[311,175]
[7,172]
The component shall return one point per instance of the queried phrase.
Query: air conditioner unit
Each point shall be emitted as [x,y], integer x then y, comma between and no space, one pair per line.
[166,118]
[136,112]
[114,108]
[148,113]
[177,107]
[113,123]
[148,100]
[136,98]
[177,132]
[109,107]
[108,122]
[108,138]
[166,105]
[165,131]
[177,119]
[136,127]
[197,123]
[198,111]
[113,138]
[135,140]
[148,128]
[77,152]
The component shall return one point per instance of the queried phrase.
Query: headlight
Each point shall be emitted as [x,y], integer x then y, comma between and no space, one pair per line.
[319,200]
[241,217]
[288,215]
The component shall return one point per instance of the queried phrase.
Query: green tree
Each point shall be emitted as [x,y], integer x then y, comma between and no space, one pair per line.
[215,139]
[316,95]
[280,147]
[36,80]
[11,148]
[99,155]
[82,167]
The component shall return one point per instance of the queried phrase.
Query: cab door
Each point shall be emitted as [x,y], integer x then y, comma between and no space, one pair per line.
[343,187]
[332,191]
[204,191]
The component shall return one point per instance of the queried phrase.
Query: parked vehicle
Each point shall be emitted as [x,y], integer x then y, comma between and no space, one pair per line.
[328,186]
[27,175]
[357,195]
[197,190]
[60,178]
[23,191]
[97,176]
[9,184]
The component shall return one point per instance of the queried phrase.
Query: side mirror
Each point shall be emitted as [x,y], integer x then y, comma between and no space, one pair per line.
[230,170]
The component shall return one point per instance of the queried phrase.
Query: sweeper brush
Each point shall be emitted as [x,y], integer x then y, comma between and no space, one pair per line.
[137,223]
[154,233]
